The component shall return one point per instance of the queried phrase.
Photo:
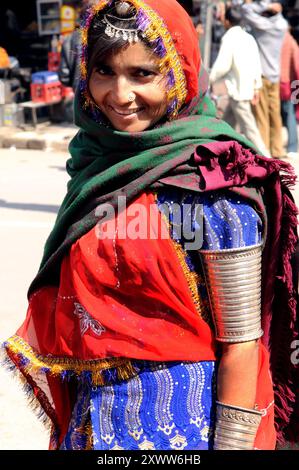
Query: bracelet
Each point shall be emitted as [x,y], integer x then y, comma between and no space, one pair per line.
[233,278]
[236,427]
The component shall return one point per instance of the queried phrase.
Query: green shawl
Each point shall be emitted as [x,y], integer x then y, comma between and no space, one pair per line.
[106,164]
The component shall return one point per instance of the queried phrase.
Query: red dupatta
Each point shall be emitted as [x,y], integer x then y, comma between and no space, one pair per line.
[119,299]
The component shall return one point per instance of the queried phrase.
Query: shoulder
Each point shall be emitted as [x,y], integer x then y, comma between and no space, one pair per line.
[230,221]
[230,33]
[226,201]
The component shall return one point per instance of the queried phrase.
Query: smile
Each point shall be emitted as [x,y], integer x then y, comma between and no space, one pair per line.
[129,112]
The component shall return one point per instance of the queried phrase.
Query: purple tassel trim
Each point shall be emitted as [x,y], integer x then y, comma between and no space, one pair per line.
[83,84]
[143,22]
[172,106]
[110,375]
[170,79]
[159,48]
[23,361]
[29,389]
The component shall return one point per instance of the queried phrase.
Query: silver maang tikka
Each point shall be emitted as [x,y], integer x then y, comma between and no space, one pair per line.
[123,10]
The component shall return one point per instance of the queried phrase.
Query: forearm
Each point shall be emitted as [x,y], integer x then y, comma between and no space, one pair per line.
[252,15]
[237,374]
[237,420]
[234,280]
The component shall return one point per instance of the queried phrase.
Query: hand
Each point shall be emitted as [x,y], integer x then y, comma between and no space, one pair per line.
[256,98]
[275,7]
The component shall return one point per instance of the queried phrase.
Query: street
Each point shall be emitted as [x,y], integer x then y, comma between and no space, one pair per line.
[32,186]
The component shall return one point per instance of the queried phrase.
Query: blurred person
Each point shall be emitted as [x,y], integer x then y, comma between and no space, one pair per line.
[268,28]
[70,60]
[9,29]
[69,70]
[242,75]
[69,67]
[69,76]
[289,73]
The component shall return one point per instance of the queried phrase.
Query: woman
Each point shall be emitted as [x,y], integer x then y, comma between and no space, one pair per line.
[121,346]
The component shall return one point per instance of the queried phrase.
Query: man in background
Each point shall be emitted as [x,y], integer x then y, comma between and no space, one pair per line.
[238,63]
[268,28]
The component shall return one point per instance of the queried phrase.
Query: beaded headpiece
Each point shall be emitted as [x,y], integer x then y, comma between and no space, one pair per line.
[149,26]
[124,13]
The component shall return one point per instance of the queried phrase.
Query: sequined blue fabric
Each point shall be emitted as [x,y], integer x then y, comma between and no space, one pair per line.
[76,438]
[166,406]
[224,219]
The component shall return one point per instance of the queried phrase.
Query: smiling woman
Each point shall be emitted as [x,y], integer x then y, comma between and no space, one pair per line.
[128,87]
[125,80]
[149,341]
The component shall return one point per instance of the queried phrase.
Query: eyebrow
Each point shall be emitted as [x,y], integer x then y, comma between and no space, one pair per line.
[147,66]
[144,67]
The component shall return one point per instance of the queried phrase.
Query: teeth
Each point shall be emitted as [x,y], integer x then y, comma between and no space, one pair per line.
[127,113]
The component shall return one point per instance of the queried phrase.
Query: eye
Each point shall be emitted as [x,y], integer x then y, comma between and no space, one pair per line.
[103,69]
[143,73]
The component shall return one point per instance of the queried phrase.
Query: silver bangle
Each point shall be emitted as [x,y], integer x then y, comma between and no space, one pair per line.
[236,427]
[233,279]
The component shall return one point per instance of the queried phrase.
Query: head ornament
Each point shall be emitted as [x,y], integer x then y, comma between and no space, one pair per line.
[125,13]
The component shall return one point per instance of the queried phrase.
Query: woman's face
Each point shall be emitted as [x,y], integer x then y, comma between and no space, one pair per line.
[131,72]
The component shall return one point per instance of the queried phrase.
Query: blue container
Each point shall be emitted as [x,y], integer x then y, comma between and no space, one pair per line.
[44,77]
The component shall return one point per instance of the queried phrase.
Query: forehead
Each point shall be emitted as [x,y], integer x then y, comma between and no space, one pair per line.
[133,54]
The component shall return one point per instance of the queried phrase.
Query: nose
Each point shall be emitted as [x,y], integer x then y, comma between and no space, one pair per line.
[121,90]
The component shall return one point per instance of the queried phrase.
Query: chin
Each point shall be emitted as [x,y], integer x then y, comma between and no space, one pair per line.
[138,127]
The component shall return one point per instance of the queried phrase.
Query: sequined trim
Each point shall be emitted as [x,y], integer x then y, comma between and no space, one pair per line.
[232,218]
[106,426]
[29,361]
[37,399]
[192,277]
[163,414]
[132,410]
[195,399]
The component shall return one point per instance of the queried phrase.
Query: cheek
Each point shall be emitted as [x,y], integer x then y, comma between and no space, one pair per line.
[97,91]
[156,99]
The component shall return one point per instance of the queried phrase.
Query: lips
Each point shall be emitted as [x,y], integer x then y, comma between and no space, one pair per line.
[127,112]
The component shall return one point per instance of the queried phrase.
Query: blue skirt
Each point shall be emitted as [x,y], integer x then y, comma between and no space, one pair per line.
[166,406]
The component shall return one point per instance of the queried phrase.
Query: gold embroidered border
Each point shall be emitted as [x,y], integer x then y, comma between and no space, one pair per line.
[58,365]
[193,279]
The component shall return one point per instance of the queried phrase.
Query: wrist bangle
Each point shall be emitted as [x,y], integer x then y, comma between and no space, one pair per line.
[236,427]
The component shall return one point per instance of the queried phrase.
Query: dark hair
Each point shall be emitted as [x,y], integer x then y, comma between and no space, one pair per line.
[188,5]
[233,16]
[100,45]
